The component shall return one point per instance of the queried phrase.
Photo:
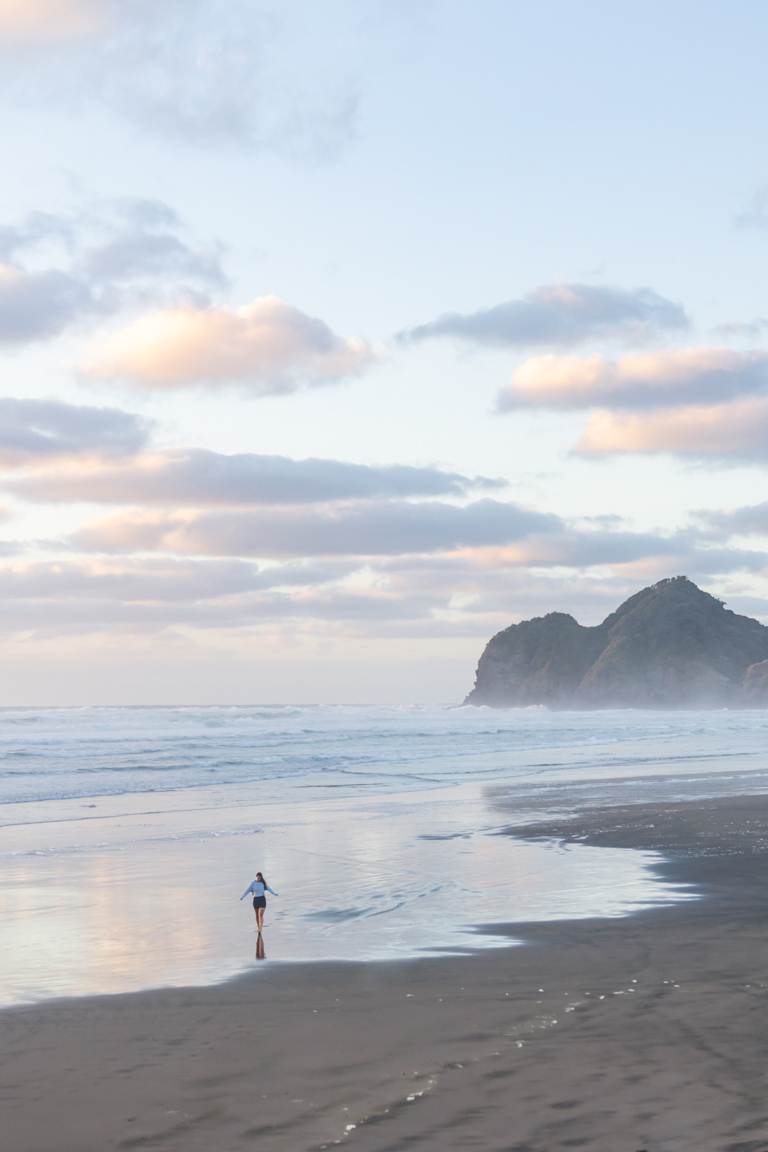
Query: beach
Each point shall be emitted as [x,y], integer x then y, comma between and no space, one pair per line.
[639,1032]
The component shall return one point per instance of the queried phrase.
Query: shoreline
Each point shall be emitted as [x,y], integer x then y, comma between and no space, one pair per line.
[633,1033]
[119,913]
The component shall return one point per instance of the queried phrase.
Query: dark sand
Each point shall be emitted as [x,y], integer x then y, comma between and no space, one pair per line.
[651,1032]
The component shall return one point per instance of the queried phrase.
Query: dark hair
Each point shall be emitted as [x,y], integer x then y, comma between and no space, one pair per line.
[260,876]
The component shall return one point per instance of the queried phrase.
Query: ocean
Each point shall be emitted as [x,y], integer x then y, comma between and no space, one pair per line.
[127,835]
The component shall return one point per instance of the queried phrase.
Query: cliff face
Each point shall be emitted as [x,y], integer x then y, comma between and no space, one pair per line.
[670,645]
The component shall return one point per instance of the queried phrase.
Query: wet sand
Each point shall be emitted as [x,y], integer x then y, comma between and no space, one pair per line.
[648,1032]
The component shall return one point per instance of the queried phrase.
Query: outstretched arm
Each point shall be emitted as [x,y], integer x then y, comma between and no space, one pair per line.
[248,889]
[271,890]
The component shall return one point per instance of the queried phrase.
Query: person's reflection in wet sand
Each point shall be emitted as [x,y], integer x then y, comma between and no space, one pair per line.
[260,953]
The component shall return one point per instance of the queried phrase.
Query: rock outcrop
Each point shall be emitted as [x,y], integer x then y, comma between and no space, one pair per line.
[670,646]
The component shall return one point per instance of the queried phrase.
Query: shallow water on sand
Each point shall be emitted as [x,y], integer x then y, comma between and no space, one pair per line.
[127,835]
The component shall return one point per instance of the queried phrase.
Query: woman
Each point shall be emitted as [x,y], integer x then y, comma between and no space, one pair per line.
[259,887]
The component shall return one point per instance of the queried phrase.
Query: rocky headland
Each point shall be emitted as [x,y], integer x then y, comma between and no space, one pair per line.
[669,646]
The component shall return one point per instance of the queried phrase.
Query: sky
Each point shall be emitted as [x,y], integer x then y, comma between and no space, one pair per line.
[337,337]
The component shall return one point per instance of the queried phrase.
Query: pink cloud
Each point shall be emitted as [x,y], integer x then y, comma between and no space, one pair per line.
[652,379]
[267,346]
[45,20]
[738,430]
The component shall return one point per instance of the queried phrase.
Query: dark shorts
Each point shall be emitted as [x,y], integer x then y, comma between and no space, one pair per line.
[259,901]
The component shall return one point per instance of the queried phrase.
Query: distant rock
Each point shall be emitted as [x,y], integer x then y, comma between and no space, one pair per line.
[670,646]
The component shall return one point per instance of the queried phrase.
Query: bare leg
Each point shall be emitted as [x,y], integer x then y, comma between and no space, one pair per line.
[259,918]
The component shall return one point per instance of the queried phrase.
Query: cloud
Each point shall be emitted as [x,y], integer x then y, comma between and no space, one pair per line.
[152,580]
[41,21]
[744,329]
[749,520]
[152,595]
[441,543]
[471,593]
[483,600]
[694,403]
[38,305]
[143,255]
[719,432]
[589,575]
[621,551]
[115,255]
[369,612]
[468,594]
[36,431]
[689,550]
[474,585]
[134,238]
[445,548]
[755,215]
[201,477]
[646,380]
[484,590]
[559,314]
[37,228]
[267,346]
[206,72]
[571,548]
[379,528]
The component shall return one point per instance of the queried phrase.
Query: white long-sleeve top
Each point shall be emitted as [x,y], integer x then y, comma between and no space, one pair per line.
[258,888]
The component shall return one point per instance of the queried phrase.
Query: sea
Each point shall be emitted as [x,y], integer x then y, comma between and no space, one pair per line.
[128,835]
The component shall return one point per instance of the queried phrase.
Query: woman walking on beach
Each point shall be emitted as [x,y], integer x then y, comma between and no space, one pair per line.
[259,888]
